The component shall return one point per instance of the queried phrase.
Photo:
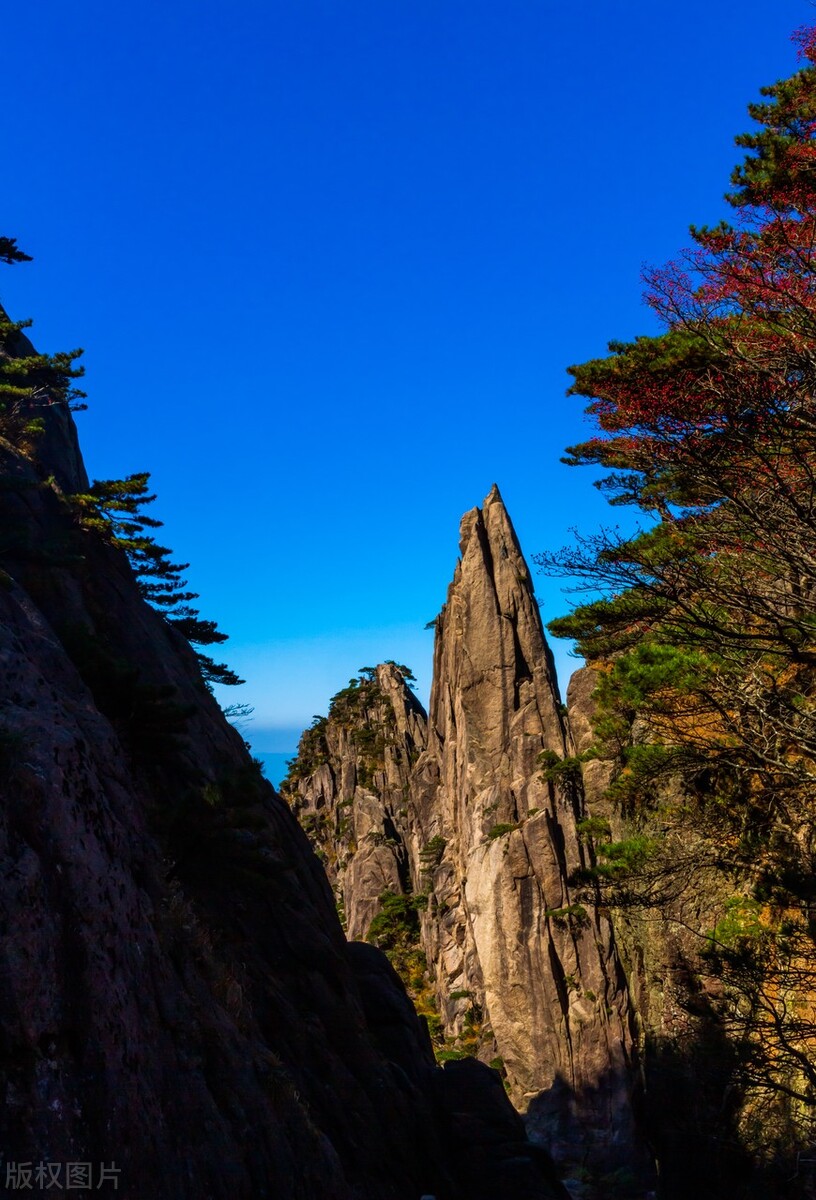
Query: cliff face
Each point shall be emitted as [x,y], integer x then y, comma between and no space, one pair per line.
[177,996]
[719,1123]
[521,972]
[544,970]
[351,785]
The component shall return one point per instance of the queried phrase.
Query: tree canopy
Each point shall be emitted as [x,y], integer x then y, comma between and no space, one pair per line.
[705,626]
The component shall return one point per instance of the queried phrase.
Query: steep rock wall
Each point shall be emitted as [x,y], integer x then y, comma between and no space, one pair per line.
[545,972]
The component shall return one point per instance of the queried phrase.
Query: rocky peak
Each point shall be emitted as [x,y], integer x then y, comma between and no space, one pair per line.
[495,703]
[541,967]
[349,785]
[524,976]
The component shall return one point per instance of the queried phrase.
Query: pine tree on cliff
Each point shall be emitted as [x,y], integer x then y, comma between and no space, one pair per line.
[30,383]
[707,627]
[114,507]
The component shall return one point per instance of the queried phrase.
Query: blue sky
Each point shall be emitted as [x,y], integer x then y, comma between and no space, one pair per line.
[329,260]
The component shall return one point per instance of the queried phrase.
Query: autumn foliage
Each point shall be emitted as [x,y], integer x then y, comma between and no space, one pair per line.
[705,630]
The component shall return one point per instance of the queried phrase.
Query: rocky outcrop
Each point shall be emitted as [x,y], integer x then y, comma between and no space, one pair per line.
[483,808]
[350,786]
[178,1000]
[509,932]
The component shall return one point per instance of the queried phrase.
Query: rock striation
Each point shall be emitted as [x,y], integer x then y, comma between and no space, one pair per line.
[480,805]
[543,967]
[177,997]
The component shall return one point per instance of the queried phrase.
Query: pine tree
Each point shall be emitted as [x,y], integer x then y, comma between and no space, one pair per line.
[113,507]
[30,384]
[10,253]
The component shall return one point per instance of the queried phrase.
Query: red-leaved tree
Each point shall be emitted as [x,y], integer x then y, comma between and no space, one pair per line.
[705,632]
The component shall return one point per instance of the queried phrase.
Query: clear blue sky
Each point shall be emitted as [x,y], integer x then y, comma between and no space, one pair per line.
[329,260]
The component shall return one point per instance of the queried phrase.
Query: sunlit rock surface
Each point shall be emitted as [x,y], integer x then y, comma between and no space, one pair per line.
[456,812]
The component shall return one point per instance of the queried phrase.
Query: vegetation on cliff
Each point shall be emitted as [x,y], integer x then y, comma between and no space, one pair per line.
[30,382]
[367,757]
[112,509]
[358,710]
[705,632]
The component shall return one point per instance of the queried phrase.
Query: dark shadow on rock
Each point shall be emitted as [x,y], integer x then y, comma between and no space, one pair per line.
[695,1101]
[591,1137]
[486,1150]
[486,1138]
[691,1114]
